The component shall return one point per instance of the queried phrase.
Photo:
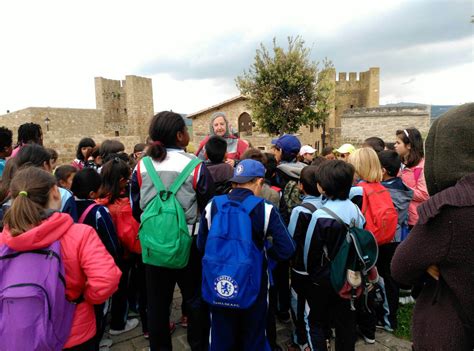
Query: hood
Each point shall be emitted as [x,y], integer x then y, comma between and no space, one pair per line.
[448,155]
[41,236]
[293,169]
[460,195]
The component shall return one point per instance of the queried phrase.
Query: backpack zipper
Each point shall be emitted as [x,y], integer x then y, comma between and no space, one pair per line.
[35,285]
[47,253]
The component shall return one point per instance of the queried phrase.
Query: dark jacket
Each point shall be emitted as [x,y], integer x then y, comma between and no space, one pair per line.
[298,227]
[401,196]
[443,237]
[325,236]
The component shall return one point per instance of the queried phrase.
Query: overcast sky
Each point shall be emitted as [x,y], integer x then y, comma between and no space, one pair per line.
[52,50]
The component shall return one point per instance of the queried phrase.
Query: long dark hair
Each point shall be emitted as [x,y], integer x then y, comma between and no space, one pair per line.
[32,155]
[412,137]
[112,172]
[164,128]
[85,142]
[30,133]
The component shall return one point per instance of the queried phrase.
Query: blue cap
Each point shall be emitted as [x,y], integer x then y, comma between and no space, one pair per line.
[247,170]
[288,143]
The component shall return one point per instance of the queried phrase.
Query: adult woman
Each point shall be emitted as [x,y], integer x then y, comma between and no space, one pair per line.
[220,126]
[409,145]
[441,243]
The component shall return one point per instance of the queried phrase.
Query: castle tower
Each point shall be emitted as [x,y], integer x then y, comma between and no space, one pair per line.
[127,105]
[139,105]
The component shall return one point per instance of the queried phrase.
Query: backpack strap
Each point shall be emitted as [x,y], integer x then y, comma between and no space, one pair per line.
[309,206]
[184,175]
[335,216]
[86,212]
[153,176]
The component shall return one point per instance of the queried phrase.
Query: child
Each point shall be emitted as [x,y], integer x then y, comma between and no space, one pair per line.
[401,196]
[244,329]
[221,172]
[323,239]
[91,276]
[409,146]
[267,193]
[85,187]
[299,221]
[28,133]
[114,190]
[83,152]
[306,154]
[170,136]
[54,158]
[64,175]
[375,143]
[6,140]
[34,155]
[381,219]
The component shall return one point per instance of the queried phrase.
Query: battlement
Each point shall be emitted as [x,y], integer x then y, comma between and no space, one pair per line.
[373,72]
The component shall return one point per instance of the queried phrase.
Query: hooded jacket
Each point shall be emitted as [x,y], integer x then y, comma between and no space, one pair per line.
[401,197]
[90,270]
[414,178]
[443,237]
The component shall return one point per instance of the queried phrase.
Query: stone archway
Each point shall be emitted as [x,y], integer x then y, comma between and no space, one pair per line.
[245,124]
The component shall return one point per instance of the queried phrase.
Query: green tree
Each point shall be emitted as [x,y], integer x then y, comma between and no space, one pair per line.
[281,87]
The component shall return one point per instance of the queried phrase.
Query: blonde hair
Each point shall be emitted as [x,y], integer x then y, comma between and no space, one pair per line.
[29,189]
[366,164]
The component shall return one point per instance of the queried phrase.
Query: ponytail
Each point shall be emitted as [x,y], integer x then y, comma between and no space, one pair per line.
[163,130]
[30,194]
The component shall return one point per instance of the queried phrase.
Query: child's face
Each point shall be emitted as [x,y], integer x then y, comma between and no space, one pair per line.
[85,151]
[68,183]
[401,148]
[182,138]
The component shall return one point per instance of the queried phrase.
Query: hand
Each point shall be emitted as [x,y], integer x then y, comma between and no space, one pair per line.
[230,161]
[433,270]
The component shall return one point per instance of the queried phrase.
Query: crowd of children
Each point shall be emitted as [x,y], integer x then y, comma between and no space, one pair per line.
[248,237]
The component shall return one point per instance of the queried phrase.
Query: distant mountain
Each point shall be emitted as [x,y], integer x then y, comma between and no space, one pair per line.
[436,110]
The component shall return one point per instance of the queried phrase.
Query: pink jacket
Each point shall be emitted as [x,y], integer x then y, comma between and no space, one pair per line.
[90,270]
[414,178]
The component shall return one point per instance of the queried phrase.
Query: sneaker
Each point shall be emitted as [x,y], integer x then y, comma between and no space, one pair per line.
[368,340]
[130,325]
[105,343]
[184,321]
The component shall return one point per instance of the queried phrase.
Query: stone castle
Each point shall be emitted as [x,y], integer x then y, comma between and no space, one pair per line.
[123,110]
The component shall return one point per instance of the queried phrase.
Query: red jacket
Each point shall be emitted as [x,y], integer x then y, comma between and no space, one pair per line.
[90,270]
[235,147]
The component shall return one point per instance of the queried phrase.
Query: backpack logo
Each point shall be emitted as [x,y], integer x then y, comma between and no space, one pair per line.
[239,169]
[226,287]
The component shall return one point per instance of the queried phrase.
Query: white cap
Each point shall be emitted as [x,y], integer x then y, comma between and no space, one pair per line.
[306,149]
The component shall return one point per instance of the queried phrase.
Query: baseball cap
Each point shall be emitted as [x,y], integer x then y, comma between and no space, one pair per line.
[346,149]
[307,149]
[288,143]
[247,170]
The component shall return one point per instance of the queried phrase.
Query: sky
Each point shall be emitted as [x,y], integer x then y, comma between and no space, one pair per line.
[193,50]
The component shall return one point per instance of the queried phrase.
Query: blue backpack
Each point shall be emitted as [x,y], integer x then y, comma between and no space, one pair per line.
[232,264]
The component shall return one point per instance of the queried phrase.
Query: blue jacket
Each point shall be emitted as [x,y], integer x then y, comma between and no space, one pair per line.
[298,227]
[281,245]
[325,236]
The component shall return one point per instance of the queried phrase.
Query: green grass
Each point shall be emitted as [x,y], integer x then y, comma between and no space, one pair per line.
[404,321]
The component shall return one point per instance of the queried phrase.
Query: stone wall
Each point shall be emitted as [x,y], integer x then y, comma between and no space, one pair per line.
[362,123]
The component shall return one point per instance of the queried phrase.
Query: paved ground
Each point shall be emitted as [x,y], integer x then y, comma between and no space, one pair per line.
[134,339]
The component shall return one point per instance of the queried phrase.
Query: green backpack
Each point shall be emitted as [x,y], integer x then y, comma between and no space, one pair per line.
[164,234]
[353,268]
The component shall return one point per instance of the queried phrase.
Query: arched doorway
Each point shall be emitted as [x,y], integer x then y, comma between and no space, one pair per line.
[245,124]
